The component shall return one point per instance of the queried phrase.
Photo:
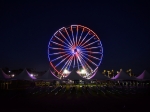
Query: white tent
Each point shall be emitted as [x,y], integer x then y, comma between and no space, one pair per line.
[48,76]
[74,76]
[24,75]
[99,76]
[3,76]
[122,76]
[144,76]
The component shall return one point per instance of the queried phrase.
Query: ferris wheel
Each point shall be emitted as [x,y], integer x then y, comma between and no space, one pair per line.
[75,46]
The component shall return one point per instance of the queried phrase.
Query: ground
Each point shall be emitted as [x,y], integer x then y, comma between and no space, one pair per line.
[76,99]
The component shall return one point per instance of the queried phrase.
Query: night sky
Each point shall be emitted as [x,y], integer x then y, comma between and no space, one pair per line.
[123,27]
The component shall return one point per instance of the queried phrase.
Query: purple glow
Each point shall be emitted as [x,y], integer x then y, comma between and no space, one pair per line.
[32,77]
[3,75]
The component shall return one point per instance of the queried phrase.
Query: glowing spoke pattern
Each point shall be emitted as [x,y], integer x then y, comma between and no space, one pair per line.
[93,47]
[80,36]
[69,37]
[81,62]
[75,46]
[59,57]
[57,48]
[59,44]
[65,38]
[90,56]
[66,64]
[77,60]
[72,35]
[57,53]
[74,61]
[91,43]
[87,40]
[86,63]
[62,41]
[76,36]
[62,61]
[69,63]
[89,60]
[84,38]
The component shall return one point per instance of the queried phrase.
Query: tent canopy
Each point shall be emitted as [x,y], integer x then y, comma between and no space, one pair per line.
[3,76]
[144,76]
[48,76]
[24,75]
[99,76]
[74,76]
[122,76]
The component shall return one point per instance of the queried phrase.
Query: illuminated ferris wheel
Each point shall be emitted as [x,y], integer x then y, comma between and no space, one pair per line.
[75,46]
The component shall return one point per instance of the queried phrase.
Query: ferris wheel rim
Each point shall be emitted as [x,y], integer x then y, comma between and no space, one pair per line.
[74,42]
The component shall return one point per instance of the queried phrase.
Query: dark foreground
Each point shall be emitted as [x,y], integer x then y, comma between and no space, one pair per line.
[76,99]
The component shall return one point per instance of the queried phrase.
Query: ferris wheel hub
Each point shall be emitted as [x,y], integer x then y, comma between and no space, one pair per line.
[75,50]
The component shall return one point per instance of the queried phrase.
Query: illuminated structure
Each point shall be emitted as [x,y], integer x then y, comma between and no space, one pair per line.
[75,46]
[24,75]
[3,76]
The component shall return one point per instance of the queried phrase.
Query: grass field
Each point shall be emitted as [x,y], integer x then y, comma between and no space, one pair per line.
[76,98]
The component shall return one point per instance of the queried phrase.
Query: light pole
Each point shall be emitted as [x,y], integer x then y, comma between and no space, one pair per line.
[108,74]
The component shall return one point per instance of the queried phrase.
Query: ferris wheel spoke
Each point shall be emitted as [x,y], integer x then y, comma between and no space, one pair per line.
[77,62]
[62,61]
[80,36]
[57,48]
[84,38]
[57,53]
[87,40]
[73,61]
[90,56]
[81,62]
[77,36]
[66,63]
[72,35]
[70,63]
[59,57]
[91,43]
[62,41]
[60,44]
[89,60]
[88,50]
[93,47]
[86,63]
[65,38]
[69,37]
[54,67]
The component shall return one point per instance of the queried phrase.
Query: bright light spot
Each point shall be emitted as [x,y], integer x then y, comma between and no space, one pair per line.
[83,71]
[66,71]
[31,75]
[9,71]
[12,75]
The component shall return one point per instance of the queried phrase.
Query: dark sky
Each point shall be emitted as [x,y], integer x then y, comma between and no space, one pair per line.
[123,27]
